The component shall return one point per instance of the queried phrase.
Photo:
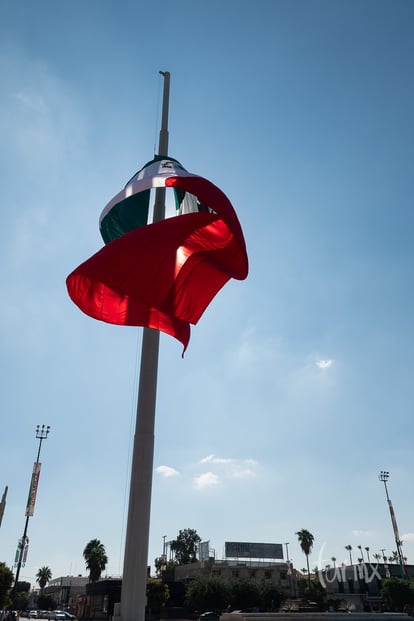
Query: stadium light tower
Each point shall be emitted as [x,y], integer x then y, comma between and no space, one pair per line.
[41,434]
[384,475]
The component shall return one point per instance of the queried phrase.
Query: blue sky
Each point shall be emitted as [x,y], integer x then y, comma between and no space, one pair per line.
[296,389]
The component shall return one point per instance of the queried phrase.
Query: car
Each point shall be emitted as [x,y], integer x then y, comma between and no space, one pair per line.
[33,614]
[60,615]
[210,616]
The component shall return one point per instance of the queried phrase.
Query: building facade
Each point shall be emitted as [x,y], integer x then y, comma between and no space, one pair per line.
[230,569]
[66,590]
[359,586]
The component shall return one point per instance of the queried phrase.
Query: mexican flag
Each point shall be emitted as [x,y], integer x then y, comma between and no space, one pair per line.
[161,275]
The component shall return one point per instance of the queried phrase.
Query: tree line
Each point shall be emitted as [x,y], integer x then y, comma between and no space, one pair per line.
[205,592]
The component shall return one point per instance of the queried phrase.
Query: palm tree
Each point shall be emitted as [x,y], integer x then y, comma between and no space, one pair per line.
[349,548]
[306,539]
[333,559]
[362,554]
[377,557]
[95,558]
[394,557]
[367,551]
[43,576]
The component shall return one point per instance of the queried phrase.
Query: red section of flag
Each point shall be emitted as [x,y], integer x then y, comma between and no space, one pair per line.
[164,275]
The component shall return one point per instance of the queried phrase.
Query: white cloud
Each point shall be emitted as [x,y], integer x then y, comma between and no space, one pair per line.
[324,364]
[228,469]
[167,471]
[242,473]
[363,533]
[212,459]
[208,479]
[407,537]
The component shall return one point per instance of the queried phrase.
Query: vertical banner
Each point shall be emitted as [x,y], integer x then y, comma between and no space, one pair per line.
[25,550]
[18,551]
[3,504]
[33,489]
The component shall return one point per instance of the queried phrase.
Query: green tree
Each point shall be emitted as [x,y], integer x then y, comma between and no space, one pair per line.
[95,559]
[164,571]
[185,546]
[306,539]
[43,576]
[6,581]
[46,602]
[313,591]
[21,595]
[394,558]
[316,593]
[349,549]
[157,594]
[271,596]
[397,595]
[244,594]
[23,586]
[207,593]
[20,599]
[159,566]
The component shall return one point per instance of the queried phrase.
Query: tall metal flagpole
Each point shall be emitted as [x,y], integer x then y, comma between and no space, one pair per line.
[134,579]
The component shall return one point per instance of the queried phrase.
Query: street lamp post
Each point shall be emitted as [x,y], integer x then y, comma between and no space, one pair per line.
[384,476]
[164,554]
[41,434]
[291,577]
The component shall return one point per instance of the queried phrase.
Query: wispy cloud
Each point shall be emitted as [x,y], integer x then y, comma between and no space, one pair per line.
[226,468]
[242,473]
[363,533]
[324,364]
[208,479]
[407,537]
[212,459]
[167,471]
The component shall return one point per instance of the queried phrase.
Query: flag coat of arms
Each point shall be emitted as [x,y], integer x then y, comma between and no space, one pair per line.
[161,275]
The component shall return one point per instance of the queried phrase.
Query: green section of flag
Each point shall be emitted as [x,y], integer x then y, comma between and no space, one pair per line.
[127,215]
